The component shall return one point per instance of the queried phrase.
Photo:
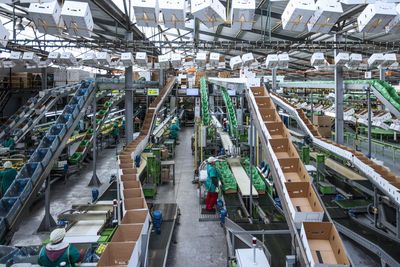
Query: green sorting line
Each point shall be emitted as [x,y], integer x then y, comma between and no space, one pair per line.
[227,178]
[204,102]
[258,180]
[231,111]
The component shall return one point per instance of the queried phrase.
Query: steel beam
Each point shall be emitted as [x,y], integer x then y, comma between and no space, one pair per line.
[339,119]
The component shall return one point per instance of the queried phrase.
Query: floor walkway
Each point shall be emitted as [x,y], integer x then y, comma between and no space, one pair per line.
[194,243]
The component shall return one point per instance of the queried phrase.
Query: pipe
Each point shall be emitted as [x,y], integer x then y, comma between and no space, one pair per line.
[258,150]
[195,144]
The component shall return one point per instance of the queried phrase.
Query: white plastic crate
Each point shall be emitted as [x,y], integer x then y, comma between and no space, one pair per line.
[296,14]
[235,62]
[342,58]
[163,60]
[47,17]
[375,17]
[67,58]
[16,57]
[393,25]
[176,60]
[210,12]
[271,61]
[4,35]
[201,59]
[354,60]
[30,58]
[247,59]
[242,14]
[127,59]
[90,58]
[77,18]
[141,59]
[283,60]
[325,16]
[174,13]
[103,58]
[146,12]
[375,60]
[388,60]
[214,59]
[317,59]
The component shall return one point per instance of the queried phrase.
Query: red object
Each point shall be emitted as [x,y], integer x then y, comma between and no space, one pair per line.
[211,200]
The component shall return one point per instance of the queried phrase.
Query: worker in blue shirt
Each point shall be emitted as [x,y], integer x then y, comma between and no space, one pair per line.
[9,142]
[115,132]
[7,176]
[211,185]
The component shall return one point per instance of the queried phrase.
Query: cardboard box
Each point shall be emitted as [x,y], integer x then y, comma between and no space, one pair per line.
[242,14]
[259,91]
[77,18]
[117,254]
[146,12]
[324,131]
[322,241]
[164,154]
[294,170]
[127,233]
[174,13]
[129,177]
[375,17]
[135,203]
[210,12]
[269,115]
[304,204]
[47,17]
[135,216]
[325,16]
[322,120]
[277,130]
[129,171]
[132,184]
[264,102]
[133,193]
[283,148]
[296,14]
[165,174]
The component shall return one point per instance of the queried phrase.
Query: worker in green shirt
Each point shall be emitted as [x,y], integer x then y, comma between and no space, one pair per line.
[115,132]
[58,251]
[9,142]
[7,176]
[211,185]
[174,128]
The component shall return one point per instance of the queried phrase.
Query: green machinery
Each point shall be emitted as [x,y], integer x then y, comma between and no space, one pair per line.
[153,168]
[170,145]
[323,186]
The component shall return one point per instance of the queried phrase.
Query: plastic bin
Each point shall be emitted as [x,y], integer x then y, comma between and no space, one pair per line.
[71,109]
[20,188]
[58,129]
[50,141]
[17,133]
[65,119]
[14,117]
[75,158]
[30,170]
[42,155]
[84,143]
[82,92]
[9,207]
[32,100]
[77,100]
[90,131]
[6,253]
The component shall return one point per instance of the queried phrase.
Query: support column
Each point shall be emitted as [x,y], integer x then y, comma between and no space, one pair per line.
[161,79]
[339,120]
[95,182]
[274,80]
[44,78]
[369,123]
[382,74]
[312,107]
[129,100]
[48,223]
[251,166]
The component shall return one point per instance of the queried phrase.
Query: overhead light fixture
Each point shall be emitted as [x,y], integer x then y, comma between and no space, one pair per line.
[90,59]
[247,59]
[141,59]
[235,62]
[342,59]
[146,12]
[325,16]
[174,13]
[176,60]
[283,60]
[67,58]
[103,58]
[317,59]
[16,57]
[242,14]
[210,12]
[375,60]
[354,61]
[394,23]
[31,59]
[54,57]
[297,14]
[375,17]
[201,59]
[127,59]
[388,60]
[163,60]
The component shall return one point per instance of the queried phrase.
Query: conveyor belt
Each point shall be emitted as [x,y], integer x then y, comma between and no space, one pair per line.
[241,177]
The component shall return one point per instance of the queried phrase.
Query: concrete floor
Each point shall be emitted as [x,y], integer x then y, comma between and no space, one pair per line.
[193,243]
[63,195]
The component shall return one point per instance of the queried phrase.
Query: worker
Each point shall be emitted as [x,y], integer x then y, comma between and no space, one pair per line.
[9,142]
[174,130]
[211,185]
[58,251]
[227,126]
[115,132]
[7,176]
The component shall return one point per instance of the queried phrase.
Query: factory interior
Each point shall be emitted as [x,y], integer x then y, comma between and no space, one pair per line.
[238,133]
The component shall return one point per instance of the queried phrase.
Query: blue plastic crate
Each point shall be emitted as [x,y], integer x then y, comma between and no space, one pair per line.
[9,207]
[58,129]
[23,108]
[77,100]
[31,170]
[32,100]
[50,141]
[82,92]
[21,188]
[65,119]
[14,117]
[42,155]
[3,227]
[17,133]
[71,109]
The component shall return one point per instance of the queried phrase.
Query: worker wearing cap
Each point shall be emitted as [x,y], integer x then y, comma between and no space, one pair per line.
[211,185]
[9,142]
[7,176]
[174,129]
[58,251]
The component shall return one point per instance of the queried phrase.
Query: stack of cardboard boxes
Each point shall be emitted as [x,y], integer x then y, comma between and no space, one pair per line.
[323,124]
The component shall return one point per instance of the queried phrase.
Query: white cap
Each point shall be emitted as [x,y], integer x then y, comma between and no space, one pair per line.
[57,235]
[212,159]
[8,165]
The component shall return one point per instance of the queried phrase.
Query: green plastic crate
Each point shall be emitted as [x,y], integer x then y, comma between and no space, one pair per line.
[75,158]
[84,143]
